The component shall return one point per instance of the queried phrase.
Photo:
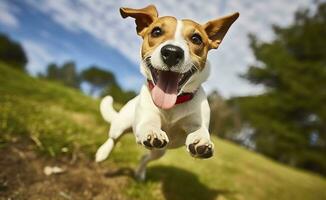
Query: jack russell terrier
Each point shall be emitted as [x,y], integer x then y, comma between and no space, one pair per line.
[172,108]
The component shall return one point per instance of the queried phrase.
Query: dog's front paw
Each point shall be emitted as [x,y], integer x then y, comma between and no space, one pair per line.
[155,139]
[201,148]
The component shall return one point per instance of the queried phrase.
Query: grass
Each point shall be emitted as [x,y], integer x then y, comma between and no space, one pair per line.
[61,121]
[53,116]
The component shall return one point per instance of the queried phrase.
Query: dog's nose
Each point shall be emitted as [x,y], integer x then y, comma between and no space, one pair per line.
[171,55]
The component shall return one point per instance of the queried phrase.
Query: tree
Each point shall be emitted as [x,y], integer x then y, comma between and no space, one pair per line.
[105,82]
[52,72]
[69,74]
[225,121]
[101,80]
[12,53]
[118,94]
[289,119]
[66,74]
[98,78]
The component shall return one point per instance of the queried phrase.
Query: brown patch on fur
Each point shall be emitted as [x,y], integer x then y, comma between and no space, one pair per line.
[168,25]
[143,17]
[197,52]
[212,34]
[216,29]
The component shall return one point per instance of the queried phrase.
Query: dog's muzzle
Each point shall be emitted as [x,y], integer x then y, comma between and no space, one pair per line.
[172,55]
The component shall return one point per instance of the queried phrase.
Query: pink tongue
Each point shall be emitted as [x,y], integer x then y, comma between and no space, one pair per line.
[164,93]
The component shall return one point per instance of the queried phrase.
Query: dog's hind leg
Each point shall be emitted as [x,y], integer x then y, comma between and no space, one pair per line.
[119,123]
[152,155]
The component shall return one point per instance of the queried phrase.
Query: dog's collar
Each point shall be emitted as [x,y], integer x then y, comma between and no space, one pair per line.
[181,98]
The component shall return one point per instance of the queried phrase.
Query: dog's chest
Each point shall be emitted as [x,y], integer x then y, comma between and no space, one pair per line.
[174,127]
[177,136]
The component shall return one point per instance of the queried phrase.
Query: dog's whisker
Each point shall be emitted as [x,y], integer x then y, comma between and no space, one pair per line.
[194,67]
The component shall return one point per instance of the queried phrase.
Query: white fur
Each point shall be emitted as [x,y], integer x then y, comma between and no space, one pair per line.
[106,108]
[179,41]
[181,125]
[119,123]
[104,150]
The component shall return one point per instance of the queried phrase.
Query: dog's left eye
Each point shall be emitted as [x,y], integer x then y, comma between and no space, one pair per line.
[196,39]
[156,32]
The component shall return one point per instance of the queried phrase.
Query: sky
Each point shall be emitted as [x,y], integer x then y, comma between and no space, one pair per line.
[92,32]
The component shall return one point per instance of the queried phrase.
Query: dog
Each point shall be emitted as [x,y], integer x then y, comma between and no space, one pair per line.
[172,108]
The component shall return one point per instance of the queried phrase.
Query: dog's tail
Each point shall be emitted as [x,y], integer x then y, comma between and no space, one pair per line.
[108,113]
[119,123]
[107,110]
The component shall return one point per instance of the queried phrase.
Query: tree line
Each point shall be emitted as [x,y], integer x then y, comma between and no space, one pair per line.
[12,53]
[101,82]
[288,121]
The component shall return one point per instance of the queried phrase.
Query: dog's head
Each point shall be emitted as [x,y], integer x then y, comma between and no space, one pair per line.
[174,52]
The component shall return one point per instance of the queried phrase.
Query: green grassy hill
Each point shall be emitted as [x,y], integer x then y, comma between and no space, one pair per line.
[62,122]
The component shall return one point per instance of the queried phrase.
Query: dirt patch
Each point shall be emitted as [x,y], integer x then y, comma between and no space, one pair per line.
[22,177]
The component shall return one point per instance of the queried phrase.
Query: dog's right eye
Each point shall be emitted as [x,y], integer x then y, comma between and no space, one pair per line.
[156,32]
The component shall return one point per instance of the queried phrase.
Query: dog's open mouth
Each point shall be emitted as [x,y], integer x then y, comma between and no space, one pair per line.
[167,85]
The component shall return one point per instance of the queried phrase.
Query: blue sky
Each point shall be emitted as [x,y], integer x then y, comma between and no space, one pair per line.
[91,32]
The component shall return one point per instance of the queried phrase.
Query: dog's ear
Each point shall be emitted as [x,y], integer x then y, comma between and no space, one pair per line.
[216,29]
[143,17]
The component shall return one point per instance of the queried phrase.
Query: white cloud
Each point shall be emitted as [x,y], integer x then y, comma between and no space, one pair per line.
[101,19]
[39,56]
[130,81]
[7,16]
